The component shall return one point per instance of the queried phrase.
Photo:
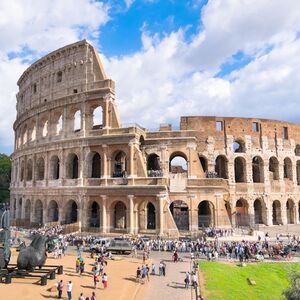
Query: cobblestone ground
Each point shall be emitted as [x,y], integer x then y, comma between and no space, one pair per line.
[172,285]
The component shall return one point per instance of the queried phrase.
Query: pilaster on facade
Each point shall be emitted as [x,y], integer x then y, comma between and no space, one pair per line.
[103,226]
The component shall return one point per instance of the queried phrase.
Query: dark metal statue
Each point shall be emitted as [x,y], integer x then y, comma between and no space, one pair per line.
[34,255]
[4,238]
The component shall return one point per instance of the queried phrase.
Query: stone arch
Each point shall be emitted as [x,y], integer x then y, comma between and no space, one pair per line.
[38,212]
[22,173]
[14,209]
[206,214]
[221,166]
[27,210]
[276,212]
[40,168]
[25,135]
[180,212]
[203,163]
[299,211]
[274,168]
[94,165]
[288,168]
[119,164]
[290,211]
[238,146]
[54,167]
[257,169]
[71,210]
[151,216]
[29,168]
[32,131]
[77,121]
[142,143]
[119,215]
[53,211]
[298,172]
[19,214]
[297,150]
[242,215]
[58,125]
[259,211]
[94,214]
[72,166]
[178,163]
[44,127]
[240,169]
[98,117]
[153,166]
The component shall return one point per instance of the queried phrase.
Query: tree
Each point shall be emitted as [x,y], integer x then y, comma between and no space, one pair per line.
[293,293]
[5,171]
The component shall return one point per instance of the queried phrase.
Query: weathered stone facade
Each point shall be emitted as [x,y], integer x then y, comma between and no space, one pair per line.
[75,163]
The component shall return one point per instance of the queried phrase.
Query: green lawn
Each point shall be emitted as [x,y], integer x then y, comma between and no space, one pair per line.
[224,281]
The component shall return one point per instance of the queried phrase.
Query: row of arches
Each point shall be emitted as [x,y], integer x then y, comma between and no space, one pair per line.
[54,124]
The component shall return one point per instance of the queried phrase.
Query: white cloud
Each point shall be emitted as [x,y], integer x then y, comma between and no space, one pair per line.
[128,3]
[39,27]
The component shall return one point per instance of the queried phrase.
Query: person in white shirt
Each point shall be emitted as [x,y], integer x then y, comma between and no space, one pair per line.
[69,289]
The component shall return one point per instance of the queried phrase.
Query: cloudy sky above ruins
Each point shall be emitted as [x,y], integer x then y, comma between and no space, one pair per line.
[168,57]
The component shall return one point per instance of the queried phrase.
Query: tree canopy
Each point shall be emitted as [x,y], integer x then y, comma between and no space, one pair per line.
[5,171]
[293,293]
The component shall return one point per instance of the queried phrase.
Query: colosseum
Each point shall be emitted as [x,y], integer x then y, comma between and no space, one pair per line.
[75,163]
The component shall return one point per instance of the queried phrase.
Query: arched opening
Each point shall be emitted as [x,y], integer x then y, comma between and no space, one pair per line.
[53,213]
[119,164]
[298,172]
[22,170]
[54,167]
[38,212]
[120,215]
[98,118]
[276,213]
[178,164]
[151,216]
[95,215]
[204,164]
[257,169]
[297,150]
[27,210]
[288,168]
[59,125]
[29,170]
[180,212]
[40,169]
[205,214]
[221,167]
[142,143]
[240,169]
[25,135]
[96,166]
[299,211]
[19,214]
[77,121]
[72,166]
[44,128]
[258,212]
[242,216]
[273,168]
[33,132]
[238,146]
[153,166]
[71,212]
[290,211]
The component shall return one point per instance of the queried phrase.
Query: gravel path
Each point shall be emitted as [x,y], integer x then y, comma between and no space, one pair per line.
[171,286]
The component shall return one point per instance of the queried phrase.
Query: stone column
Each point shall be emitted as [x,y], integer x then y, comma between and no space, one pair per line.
[45,212]
[219,198]
[131,160]
[131,215]
[161,200]
[84,119]
[283,213]
[251,212]
[106,121]
[65,123]
[193,217]
[104,163]
[104,214]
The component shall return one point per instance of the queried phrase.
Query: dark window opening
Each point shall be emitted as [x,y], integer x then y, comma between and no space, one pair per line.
[219,126]
[255,127]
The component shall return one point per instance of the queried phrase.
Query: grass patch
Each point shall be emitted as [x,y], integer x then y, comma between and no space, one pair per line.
[229,281]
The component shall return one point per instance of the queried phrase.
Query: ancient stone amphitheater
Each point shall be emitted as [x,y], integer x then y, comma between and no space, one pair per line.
[75,163]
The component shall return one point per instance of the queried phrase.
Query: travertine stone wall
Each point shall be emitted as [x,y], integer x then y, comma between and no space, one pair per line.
[75,163]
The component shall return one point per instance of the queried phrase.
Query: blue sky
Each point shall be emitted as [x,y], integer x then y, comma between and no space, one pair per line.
[169,58]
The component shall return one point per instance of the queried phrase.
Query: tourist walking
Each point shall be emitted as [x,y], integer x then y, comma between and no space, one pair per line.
[96,280]
[60,287]
[93,296]
[81,297]
[69,290]
[187,280]
[104,280]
